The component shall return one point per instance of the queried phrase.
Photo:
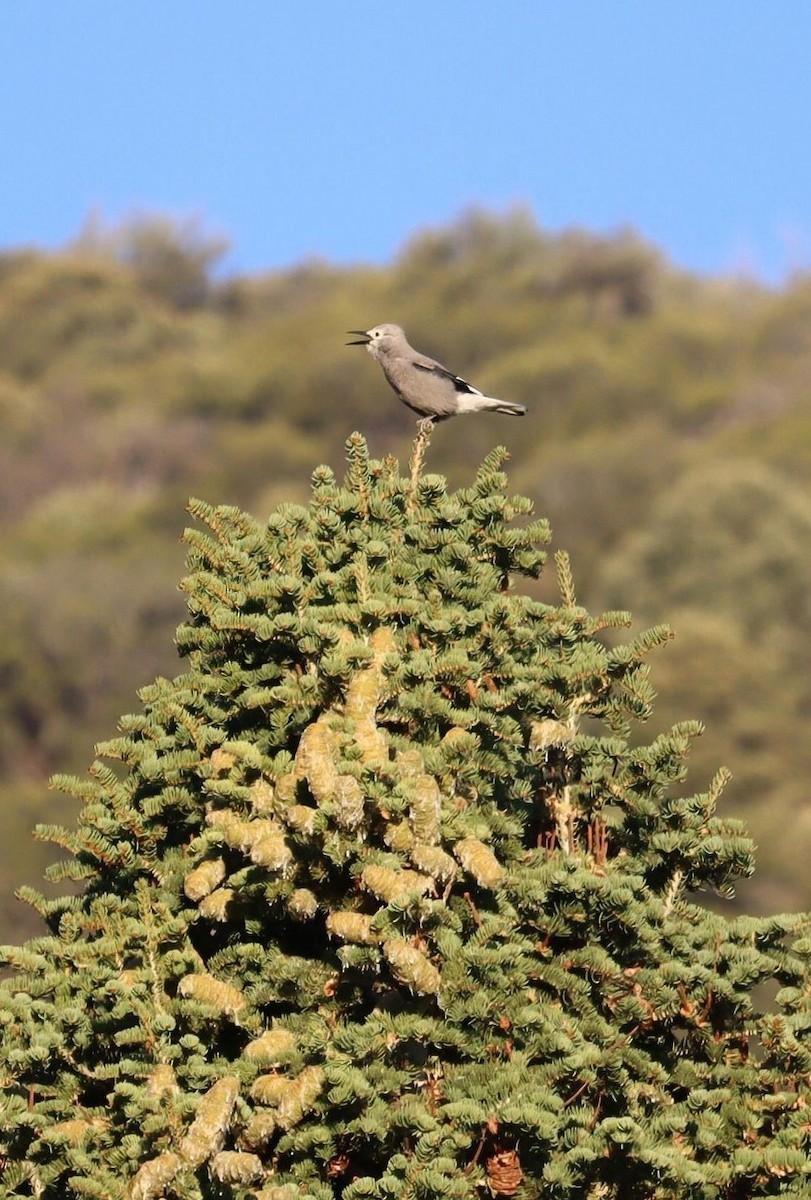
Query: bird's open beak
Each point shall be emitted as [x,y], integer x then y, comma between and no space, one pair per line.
[362,334]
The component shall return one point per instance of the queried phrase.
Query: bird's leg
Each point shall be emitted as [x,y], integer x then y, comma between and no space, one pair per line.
[421,442]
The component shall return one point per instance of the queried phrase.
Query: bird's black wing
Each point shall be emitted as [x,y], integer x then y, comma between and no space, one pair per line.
[434,368]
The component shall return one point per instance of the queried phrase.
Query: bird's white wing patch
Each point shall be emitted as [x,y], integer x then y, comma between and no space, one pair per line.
[462,386]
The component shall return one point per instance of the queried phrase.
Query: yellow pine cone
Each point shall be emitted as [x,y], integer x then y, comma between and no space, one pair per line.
[260,1129]
[399,836]
[304,1091]
[152,1177]
[434,862]
[204,879]
[302,905]
[292,1098]
[411,967]
[301,817]
[207,1131]
[315,760]
[392,885]
[363,696]
[273,1046]
[269,1089]
[263,797]
[348,802]
[426,808]
[235,1166]
[206,989]
[73,1131]
[215,906]
[479,861]
[261,840]
[352,927]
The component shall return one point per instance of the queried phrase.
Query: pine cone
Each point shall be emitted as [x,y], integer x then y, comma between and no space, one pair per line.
[504,1174]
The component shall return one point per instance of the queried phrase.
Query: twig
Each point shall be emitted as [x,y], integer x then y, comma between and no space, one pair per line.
[672,892]
[563,815]
[472,907]
[478,1152]
[421,443]
[575,1095]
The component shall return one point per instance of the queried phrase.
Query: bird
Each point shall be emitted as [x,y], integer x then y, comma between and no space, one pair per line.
[432,391]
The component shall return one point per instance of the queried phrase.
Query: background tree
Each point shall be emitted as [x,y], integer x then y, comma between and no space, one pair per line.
[377,899]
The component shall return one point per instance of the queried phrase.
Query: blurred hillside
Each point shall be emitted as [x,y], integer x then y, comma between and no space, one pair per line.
[668,440]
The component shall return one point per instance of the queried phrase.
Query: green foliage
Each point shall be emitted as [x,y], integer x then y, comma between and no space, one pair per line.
[377,899]
[723,552]
[728,536]
[172,260]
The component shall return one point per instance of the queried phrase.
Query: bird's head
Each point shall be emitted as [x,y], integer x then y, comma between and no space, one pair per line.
[380,339]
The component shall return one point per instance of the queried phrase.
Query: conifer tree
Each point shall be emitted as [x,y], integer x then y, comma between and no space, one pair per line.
[377,899]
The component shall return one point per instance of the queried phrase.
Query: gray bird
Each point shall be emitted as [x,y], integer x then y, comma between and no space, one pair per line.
[430,389]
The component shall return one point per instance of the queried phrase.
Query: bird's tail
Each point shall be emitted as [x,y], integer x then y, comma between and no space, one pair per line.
[504,406]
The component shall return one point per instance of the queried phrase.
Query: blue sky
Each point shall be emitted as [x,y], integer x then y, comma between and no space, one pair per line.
[338,130]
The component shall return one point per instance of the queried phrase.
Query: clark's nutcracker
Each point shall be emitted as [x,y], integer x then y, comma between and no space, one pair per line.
[430,389]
